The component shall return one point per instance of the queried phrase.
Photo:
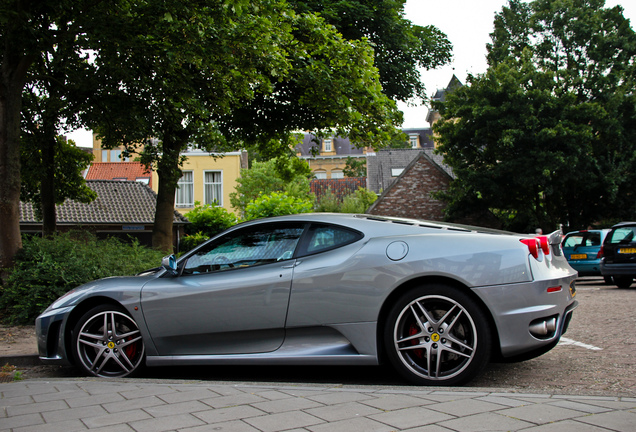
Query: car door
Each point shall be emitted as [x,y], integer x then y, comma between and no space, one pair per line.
[230,297]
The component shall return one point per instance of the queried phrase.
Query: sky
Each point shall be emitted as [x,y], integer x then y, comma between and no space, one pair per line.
[467,24]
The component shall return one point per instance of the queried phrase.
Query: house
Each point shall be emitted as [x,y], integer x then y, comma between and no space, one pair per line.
[132,171]
[207,178]
[413,176]
[327,157]
[122,209]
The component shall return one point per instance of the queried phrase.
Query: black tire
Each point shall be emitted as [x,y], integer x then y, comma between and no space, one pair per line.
[623,281]
[608,280]
[107,343]
[437,335]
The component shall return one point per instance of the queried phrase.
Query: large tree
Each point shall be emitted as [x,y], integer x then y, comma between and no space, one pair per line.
[401,49]
[207,75]
[547,134]
[30,32]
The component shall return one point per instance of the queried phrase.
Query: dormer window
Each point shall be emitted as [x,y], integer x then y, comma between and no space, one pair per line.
[328,145]
[414,141]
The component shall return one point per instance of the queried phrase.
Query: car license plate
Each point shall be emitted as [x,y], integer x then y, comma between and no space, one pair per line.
[578,256]
[627,250]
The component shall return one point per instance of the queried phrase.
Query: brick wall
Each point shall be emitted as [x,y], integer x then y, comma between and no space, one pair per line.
[410,195]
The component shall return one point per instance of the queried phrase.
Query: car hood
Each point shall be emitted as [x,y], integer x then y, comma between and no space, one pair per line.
[120,288]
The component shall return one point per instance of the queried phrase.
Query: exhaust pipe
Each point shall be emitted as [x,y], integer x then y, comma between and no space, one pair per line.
[543,327]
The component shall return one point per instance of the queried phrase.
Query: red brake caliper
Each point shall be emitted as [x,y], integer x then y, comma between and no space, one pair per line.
[413,330]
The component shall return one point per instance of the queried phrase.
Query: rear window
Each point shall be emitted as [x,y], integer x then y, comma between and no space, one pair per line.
[622,235]
[583,239]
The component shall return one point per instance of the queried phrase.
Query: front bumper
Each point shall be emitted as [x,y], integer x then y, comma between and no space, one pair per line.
[51,338]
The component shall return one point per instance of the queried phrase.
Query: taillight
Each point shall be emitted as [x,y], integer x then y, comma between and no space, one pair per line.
[533,246]
[545,244]
[601,253]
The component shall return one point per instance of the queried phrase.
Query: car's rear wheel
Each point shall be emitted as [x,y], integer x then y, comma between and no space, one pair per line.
[107,343]
[437,335]
[623,281]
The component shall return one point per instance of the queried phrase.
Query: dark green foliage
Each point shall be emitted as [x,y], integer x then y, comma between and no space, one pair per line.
[355,167]
[46,268]
[546,135]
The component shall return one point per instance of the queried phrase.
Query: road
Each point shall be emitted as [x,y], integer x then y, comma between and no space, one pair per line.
[597,356]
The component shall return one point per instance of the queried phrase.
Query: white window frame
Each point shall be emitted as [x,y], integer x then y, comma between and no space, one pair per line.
[104,155]
[206,198]
[337,174]
[414,141]
[184,186]
[320,175]
[395,172]
[328,144]
[115,155]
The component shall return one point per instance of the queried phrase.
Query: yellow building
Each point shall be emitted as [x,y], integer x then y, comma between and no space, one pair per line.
[206,178]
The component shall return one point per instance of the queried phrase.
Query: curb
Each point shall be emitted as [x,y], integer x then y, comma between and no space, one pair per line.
[21,360]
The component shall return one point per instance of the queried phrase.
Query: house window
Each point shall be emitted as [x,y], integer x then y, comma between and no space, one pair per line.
[328,145]
[213,187]
[115,155]
[413,139]
[320,175]
[337,174]
[144,180]
[185,190]
[395,172]
[104,155]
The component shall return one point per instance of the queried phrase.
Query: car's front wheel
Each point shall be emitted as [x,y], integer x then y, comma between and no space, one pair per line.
[437,335]
[107,343]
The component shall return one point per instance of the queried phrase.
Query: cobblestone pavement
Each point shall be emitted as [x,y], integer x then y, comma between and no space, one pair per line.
[153,406]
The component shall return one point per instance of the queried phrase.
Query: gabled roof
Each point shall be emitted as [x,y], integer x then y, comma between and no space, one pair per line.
[118,171]
[117,202]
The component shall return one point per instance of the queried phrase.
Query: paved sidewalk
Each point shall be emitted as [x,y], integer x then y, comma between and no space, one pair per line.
[149,405]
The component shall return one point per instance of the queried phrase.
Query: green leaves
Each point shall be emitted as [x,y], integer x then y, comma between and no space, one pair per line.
[536,139]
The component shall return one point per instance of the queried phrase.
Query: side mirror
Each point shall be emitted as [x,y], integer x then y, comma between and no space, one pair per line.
[170,264]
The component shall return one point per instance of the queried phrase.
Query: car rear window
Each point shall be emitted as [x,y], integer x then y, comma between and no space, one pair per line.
[622,235]
[583,239]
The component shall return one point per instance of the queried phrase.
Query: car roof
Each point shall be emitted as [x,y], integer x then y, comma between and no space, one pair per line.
[621,224]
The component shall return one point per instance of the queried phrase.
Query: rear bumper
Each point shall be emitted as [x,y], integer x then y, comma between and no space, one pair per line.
[519,308]
[618,269]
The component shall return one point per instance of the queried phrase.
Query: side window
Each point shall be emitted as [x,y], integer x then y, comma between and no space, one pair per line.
[323,237]
[246,248]
[573,240]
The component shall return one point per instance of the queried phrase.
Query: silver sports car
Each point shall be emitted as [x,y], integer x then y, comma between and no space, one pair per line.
[437,301]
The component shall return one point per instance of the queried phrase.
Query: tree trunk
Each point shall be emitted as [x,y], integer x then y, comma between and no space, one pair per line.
[12,76]
[169,174]
[47,188]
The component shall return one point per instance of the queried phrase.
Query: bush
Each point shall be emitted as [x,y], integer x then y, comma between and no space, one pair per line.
[46,268]
[209,220]
[358,201]
[276,204]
